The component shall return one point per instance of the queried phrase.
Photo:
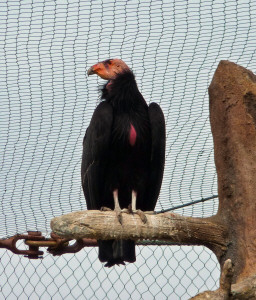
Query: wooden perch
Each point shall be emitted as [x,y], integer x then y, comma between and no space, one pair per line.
[231,233]
[166,227]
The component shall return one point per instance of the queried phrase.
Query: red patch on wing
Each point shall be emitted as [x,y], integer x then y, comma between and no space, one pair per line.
[132,135]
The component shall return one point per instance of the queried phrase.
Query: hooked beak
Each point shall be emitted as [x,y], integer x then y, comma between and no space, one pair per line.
[91,71]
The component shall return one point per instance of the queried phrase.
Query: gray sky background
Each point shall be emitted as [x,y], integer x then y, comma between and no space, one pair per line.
[47,101]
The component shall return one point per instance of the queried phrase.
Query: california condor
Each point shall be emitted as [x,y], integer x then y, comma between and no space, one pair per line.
[123,154]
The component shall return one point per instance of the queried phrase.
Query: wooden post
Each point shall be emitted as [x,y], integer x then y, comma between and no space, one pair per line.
[233,122]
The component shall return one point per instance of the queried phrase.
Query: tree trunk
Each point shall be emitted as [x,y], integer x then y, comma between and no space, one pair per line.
[233,121]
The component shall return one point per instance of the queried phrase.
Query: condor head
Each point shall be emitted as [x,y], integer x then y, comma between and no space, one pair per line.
[108,69]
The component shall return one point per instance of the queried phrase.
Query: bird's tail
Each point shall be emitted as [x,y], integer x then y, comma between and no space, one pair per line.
[116,252]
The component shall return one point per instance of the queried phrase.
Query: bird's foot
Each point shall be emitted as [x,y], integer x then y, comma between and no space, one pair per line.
[142,215]
[117,208]
[118,212]
[139,212]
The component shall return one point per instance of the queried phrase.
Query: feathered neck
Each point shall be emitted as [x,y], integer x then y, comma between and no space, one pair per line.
[122,92]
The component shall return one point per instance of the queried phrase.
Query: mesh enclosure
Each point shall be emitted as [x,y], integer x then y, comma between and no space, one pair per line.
[47,102]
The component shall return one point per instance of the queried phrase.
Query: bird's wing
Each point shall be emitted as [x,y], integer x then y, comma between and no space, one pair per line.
[96,145]
[157,124]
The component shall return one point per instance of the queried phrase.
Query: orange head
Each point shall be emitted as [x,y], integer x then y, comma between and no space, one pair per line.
[109,68]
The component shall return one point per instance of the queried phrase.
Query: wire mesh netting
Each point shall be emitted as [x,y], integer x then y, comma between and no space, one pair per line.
[47,101]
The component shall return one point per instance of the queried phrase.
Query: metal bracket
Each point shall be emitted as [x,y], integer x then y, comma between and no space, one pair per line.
[62,245]
[32,253]
[34,239]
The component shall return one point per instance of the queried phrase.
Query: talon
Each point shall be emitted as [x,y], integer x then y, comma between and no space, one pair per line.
[119,217]
[118,212]
[130,209]
[142,216]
